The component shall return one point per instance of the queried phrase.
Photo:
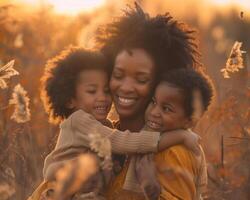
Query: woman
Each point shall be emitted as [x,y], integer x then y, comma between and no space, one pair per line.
[139,47]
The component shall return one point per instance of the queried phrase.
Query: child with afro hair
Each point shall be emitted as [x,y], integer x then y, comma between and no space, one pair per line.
[179,101]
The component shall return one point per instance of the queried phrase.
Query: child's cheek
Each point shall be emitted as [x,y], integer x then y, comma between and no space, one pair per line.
[148,110]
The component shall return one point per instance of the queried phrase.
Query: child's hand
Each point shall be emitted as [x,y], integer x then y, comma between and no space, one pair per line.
[192,141]
[146,176]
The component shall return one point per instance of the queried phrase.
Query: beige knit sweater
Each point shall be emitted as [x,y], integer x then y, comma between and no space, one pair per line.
[73,140]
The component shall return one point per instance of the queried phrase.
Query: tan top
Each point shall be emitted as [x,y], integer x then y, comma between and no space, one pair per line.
[73,140]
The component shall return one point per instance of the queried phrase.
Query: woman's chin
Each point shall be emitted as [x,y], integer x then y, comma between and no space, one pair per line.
[124,113]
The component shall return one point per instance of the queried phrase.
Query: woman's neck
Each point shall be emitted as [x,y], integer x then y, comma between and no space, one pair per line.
[134,124]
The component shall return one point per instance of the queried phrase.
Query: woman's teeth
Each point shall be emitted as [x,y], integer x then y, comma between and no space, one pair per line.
[126,101]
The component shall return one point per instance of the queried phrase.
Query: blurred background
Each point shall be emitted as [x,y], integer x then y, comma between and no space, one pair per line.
[32,31]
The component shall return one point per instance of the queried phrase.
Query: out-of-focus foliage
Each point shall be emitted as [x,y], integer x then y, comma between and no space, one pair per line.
[6,72]
[235,61]
[71,177]
[21,101]
[30,37]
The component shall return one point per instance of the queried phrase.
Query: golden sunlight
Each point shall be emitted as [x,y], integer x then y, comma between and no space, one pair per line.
[69,6]
[241,3]
[76,6]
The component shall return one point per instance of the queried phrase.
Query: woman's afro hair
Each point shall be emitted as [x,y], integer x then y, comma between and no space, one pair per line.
[170,43]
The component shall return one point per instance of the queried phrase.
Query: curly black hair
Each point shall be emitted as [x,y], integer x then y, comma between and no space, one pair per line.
[171,44]
[60,76]
[190,80]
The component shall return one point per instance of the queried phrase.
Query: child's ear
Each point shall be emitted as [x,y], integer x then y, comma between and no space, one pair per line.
[189,124]
[71,104]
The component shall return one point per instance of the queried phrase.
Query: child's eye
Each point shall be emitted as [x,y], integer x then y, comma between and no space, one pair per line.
[117,75]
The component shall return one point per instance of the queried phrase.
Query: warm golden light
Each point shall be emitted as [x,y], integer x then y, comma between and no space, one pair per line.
[241,3]
[75,6]
[71,7]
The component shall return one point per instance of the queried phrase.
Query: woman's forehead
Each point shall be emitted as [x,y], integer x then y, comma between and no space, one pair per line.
[136,59]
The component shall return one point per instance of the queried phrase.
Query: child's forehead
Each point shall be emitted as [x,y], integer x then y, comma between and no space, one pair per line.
[93,75]
[168,87]
[93,72]
[168,91]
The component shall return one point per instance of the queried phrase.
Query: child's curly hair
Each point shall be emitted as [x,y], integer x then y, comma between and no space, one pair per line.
[170,43]
[58,82]
[189,81]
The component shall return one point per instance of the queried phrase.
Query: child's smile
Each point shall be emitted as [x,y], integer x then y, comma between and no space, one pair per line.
[166,111]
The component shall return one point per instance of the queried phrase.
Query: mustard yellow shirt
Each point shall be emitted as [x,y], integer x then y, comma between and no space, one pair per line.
[179,172]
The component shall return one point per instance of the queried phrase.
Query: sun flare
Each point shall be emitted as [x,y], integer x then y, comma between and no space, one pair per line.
[68,6]
[76,6]
[241,3]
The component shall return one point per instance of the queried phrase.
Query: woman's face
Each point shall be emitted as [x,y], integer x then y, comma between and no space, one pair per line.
[132,82]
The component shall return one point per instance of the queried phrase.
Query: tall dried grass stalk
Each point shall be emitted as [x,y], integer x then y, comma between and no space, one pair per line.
[6,72]
[235,61]
[21,101]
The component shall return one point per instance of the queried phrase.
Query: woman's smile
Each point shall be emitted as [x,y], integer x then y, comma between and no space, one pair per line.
[131,82]
[126,101]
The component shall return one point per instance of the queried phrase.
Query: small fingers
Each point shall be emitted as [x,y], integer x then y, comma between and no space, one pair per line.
[197,151]
[199,140]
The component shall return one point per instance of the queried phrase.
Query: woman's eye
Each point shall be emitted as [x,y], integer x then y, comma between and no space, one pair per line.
[167,109]
[91,91]
[143,80]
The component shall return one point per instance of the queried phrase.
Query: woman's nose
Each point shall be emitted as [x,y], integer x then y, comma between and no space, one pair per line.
[127,85]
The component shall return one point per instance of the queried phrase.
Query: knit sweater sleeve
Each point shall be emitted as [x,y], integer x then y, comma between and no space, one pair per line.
[122,142]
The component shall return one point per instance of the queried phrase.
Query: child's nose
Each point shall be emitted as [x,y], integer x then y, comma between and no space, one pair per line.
[155,111]
[101,96]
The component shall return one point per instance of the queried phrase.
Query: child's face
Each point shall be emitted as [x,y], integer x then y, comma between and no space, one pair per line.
[92,93]
[166,111]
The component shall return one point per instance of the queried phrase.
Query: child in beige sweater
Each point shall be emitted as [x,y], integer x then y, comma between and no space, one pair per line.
[75,92]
